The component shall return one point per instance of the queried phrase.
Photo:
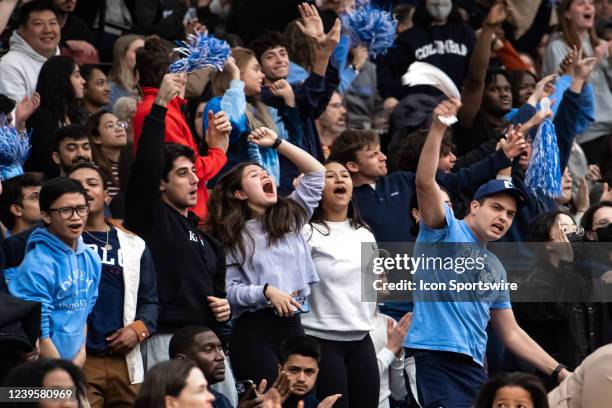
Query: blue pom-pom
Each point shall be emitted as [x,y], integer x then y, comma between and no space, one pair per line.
[200,51]
[544,172]
[14,149]
[371,27]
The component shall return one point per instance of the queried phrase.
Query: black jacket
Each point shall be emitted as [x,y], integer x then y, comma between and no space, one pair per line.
[190,265]
[568,329]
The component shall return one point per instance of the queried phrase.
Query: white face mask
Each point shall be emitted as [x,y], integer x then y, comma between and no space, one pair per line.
[439,9]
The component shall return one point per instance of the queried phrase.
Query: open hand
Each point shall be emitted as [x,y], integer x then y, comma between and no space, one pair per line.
[397,333]
[25,108]
[498,13]
[310,24]
[513,144]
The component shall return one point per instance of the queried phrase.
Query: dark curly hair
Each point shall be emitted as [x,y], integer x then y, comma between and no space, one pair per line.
[152,61]
[530,383]
[407,158]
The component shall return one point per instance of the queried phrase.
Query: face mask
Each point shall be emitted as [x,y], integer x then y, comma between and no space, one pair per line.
[604,234]
[439,9]
[574,237]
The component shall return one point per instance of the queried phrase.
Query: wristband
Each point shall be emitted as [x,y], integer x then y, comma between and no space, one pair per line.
[555,373]
[276,143]
[264,290]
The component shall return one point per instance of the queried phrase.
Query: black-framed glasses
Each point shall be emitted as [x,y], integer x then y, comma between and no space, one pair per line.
[67,212]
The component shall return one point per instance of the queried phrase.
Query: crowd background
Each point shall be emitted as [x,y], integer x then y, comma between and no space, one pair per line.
[180,240]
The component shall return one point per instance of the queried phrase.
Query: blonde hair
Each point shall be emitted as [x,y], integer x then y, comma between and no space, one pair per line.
[257,112]
[120,73]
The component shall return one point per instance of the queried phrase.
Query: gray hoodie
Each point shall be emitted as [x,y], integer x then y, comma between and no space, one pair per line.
[19,69]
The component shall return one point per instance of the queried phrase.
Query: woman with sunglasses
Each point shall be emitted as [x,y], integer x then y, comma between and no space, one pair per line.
[109,145]
[558,314]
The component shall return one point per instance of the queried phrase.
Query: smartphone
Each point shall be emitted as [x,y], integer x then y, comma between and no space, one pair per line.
[243,386]
[304,305]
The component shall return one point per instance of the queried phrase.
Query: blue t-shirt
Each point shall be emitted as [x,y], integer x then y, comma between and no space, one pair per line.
[455,326]
[107,315]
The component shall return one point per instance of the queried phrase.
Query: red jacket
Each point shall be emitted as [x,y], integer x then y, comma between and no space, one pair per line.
[177,131]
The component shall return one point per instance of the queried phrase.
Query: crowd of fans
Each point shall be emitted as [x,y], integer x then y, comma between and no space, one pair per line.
[197,239]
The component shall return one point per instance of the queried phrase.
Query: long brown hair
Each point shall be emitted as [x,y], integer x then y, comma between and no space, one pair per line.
[257,112]
[93,132]
[227,215]
[566,26]
[120,72]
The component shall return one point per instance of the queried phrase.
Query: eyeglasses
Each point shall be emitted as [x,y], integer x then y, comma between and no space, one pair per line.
[120,124]
[67,212]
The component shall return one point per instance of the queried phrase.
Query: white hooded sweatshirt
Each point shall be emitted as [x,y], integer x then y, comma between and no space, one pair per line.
[19,69]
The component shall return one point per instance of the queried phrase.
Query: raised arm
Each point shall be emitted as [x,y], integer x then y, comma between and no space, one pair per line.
[473,88]
[429,195]
[303,161]
[148,167]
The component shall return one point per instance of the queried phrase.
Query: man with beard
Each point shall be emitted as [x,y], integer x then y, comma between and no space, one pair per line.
[72,146]
[201,345]
[331,123]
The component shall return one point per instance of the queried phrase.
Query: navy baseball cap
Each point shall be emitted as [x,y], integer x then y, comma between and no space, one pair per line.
[500,186]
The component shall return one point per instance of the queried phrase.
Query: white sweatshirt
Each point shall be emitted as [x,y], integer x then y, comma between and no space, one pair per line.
[336,310]
[20,68]
[390,367]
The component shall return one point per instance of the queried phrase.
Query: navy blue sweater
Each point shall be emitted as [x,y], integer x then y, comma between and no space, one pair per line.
[387,209]
[311,98]
[447,47]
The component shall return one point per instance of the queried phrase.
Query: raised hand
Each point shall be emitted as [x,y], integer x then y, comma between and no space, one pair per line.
[311,24]
[219,129]
[561,245]
[445,109]
[284,90]
[232,68]
[324,46]
[583,67]
[513,144]
[544,87]
[282,385]
[263,137]
[498,13]
[397,333]
[359,56]
[25,108]
[583,201]
[172,86]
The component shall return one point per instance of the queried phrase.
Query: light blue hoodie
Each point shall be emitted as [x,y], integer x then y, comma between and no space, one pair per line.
[66,284]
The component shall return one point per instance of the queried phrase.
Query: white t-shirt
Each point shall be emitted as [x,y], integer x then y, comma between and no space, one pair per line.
[336,310]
